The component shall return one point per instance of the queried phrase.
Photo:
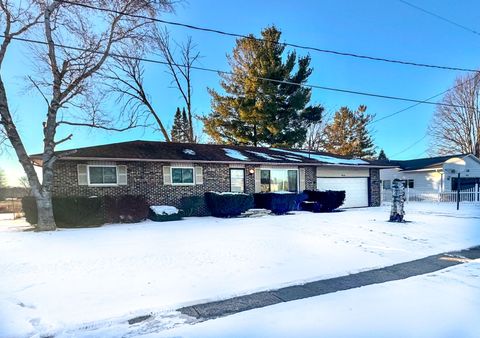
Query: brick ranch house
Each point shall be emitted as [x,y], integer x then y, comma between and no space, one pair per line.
[165,172]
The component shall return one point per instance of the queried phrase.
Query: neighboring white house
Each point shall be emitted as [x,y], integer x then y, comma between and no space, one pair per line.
[434,174]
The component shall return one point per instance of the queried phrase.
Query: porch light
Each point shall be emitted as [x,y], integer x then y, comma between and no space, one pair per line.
[251,171]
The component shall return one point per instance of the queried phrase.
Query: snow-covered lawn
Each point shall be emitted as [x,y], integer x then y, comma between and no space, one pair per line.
[444,304]
[83,278]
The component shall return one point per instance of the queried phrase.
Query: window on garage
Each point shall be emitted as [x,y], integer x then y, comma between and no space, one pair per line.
[387,184]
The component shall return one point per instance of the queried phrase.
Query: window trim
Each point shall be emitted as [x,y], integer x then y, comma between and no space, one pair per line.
[102,166]
[286,169]
[244,179]
[184,184]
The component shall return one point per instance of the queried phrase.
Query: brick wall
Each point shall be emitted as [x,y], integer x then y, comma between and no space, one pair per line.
[144,178]
[374,188]
[310,178]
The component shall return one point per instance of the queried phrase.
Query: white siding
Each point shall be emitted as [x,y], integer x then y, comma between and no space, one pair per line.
[423,180]
[342,172]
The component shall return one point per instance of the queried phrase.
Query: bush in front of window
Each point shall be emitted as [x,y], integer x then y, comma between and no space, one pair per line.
[191,205]
[228,204]
[278,203]
[125,209]
[69,212]
[327,200]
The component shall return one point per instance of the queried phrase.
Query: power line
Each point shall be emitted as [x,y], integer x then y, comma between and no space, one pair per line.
[440,17]
[307,85]
[413,105]
[410,146]
[287,44]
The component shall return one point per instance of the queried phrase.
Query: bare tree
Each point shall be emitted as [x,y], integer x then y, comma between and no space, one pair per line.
[315,140]
[180,69]
[456,128]
[66,76]
[126,78]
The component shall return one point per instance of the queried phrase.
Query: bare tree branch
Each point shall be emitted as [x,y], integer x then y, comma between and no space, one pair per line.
[181,71]
[457,129]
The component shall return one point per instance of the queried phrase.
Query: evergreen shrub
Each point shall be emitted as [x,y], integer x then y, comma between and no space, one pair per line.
[328,200]
[278,203]
[68,212]
[228,204]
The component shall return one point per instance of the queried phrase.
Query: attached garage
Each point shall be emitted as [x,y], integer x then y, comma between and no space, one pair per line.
[353,181]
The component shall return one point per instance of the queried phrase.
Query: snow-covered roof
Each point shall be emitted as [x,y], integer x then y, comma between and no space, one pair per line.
[204,153]
[235,154]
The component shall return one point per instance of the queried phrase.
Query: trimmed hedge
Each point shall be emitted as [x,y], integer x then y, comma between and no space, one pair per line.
[125,209]
[278,203]
[164,218]
[228,204]
[191,204]
[69,212]
[327,200]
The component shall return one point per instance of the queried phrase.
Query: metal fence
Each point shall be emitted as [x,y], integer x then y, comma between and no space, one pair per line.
[471,195]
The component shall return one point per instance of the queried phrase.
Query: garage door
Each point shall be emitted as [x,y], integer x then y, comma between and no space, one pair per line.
[356,189]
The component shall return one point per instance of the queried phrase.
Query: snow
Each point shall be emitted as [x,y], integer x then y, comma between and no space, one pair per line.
[189,152]
[77,281]
[441,304]
[232,153]
[164,210]
[263,155]
[323,158]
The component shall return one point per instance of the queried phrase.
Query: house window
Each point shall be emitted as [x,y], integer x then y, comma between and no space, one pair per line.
[272,180]
[237,180]
[408,184]
[182,175]
[387,184]
[102,175]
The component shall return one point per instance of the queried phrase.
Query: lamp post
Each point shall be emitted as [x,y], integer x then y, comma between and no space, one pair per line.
[458,191]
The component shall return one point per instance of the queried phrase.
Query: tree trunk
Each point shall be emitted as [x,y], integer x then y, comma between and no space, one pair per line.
[45,221]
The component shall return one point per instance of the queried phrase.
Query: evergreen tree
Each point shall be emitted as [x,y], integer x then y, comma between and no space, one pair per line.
[382,156]
[180,129]
[260,112]
[348,133]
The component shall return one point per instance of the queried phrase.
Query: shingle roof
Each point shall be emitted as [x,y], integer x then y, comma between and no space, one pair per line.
[424,163]
[170,151]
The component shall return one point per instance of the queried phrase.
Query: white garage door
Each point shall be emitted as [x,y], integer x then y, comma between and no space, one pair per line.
[356,189]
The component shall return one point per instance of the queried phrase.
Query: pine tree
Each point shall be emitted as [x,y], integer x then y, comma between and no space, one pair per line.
[348,133]
[259,112]
[180,129]
[382,156]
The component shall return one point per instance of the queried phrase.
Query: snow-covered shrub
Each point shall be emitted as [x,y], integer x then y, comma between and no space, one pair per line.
[191,204]
[279,203]
[228,204]
[69,212]
[164,213]
[327,200]
[125,209]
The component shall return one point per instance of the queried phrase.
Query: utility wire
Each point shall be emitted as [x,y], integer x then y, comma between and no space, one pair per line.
[440,17]
[306,85]
[416,104]
[410,146]
[294,45]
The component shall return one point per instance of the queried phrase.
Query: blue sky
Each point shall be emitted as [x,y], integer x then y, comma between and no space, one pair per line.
[386,29]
